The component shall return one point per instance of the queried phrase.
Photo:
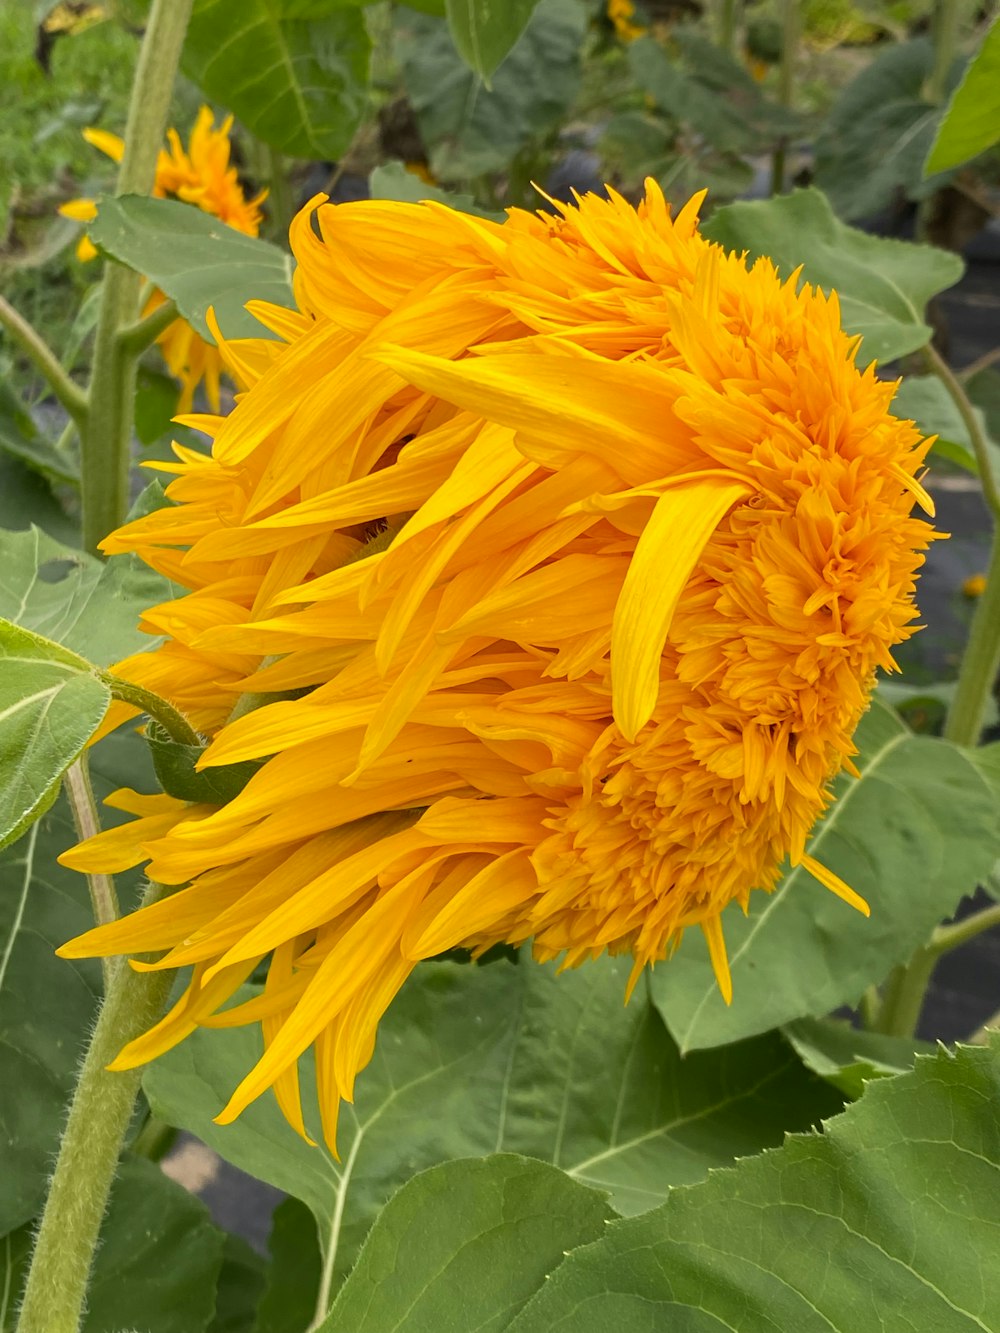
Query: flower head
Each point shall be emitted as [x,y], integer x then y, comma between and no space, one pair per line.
[200,175]
[545,568]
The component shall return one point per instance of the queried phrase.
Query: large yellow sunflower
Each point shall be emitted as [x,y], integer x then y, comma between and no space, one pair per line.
[200,175]
[546,568]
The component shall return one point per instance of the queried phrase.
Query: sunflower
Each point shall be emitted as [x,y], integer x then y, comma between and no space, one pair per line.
[621,13]
[544,569]
[200,175]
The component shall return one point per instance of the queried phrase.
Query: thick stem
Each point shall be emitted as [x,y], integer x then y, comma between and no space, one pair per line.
[903,996]
[88,1154]
[945,46]
[107,438]
[174,723]
[980,662]
[103,897]
[42,357]
[869,1007]
[730,13]
[977,436]
[280,198]
[790,25]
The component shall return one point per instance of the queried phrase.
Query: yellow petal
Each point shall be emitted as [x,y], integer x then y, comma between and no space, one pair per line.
[683,520]
[712,930]
[109,144]
[836,885]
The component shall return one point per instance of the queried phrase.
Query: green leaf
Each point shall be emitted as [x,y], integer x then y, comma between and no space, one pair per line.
[155,404]
[925,400]
[393,181]
[294,1273]
[470,131]
[47,1003]
[500,1228]
[50,706]
[971,121]
[883,285]
[21,438]
[196,259]
[177,774]
[295,72]
[885,1223]
[472,1060]
[847,1057]
[26,498]
[157,1261]
[915,833]
[89,605]
[239,1289]
[484,32]
[876,137]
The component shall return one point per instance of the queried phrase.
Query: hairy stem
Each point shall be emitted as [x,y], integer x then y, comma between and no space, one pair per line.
[88,1154]
[790,27]
[956,933]
[977,436]
[174,723]
[103,896]
[946,18]
[45,361]
[107,437]
[980,662]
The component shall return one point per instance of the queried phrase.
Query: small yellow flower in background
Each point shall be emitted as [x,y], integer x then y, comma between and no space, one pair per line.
[974,585]
[621,14]
[200,175]
[577,546]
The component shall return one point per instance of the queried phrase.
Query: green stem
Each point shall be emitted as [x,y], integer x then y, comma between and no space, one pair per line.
[868,1008]
[103,896]
[790,27]
[88,1154]
[949,937]
[45,361]
[280,201]
[729,16]
[946,18]
[107,438]
[903,995]
[972,423]
[135,338]
[980,662]
[174,723]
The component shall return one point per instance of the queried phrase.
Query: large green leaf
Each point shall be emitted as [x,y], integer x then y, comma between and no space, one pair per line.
[157,1262]
[90,606]
[971,121]
[501,1227]
[876,137]
[292,1282]
[47,1003]
[50,705]
[849,1057]
[883,285]
[915,833]
[472,1060]
[196,259]
[239,1289]
[294,71]
[469,130]
[484,32]
[925,400]
[27,499]
[885,1223]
